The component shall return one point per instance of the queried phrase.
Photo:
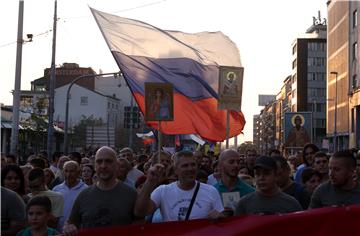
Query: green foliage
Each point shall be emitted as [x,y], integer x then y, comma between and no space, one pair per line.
[79,130]
[247,145]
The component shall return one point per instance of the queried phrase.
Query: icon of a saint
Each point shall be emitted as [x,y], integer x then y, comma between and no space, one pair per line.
[298,136]
[160,105]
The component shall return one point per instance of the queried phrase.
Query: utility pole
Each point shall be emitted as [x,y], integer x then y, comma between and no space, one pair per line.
[16,94]
[51,89]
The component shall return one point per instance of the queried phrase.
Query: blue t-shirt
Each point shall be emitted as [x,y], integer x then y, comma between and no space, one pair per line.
[299,170]
[231,197]
[27,232]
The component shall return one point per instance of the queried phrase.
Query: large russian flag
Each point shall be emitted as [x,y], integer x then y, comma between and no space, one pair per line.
[190,62]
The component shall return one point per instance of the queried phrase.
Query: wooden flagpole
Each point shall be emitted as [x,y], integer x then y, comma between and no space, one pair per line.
[159,142]
[227,127]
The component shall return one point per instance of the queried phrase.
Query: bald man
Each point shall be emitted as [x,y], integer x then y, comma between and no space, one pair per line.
[70,188]
[108,202]
[230,186]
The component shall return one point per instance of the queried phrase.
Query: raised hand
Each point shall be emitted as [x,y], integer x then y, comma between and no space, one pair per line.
[155,173]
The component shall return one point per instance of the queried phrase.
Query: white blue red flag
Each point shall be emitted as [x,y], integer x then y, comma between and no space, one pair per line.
[190,62]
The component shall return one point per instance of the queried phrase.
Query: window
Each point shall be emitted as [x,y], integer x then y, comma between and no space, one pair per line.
[355,18]
[40,88]
[320,61]
[320,107]
[355,51]
[310,61]
[320,76]
[294,78]
[316,92]
[83,101]
[312,92]
[311,76]
[294,49]
[312,47]
[294,64]
[320,92]
[355,81]
[310,107]
[320,123]
[322,47]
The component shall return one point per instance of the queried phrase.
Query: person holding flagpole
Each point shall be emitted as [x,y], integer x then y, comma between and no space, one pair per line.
[184,199]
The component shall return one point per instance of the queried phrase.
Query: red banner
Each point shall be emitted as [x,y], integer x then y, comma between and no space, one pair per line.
[331,221]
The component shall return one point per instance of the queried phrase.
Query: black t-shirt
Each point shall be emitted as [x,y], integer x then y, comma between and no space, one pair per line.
[97,208]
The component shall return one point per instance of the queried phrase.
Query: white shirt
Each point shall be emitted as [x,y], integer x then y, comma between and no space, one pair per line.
[212,180]
[134,174]
[174,202]
[69,195]
[54,169]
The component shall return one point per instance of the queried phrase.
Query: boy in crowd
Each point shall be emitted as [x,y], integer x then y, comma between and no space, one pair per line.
[38,214]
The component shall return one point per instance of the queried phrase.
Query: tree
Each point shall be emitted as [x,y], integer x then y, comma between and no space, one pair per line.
[247,145]
[79,130]
[35,126]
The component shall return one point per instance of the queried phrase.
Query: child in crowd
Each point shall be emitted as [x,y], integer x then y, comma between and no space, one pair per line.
[38,212]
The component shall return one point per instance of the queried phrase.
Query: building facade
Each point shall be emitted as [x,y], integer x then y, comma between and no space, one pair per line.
[117,87]
[256,131]
[308,78]
[283,105]
[265,129]
[86,103]
[65,74]
[343,75]
[354,78]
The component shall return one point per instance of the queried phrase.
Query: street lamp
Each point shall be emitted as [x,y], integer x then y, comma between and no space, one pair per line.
[335,109]
[67,104]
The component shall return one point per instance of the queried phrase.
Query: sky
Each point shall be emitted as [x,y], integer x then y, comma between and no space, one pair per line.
[262,30]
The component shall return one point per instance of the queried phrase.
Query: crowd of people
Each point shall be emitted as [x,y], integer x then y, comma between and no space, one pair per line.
[110,188]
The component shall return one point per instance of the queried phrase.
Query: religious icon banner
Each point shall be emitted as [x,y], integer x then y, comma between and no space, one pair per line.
[159,102]
[230,88]
[297,129]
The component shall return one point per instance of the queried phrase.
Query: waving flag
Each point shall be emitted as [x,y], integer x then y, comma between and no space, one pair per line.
[190,62]
[147,138]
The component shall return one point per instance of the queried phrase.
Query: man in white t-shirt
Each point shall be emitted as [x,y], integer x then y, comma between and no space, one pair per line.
[174,199]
